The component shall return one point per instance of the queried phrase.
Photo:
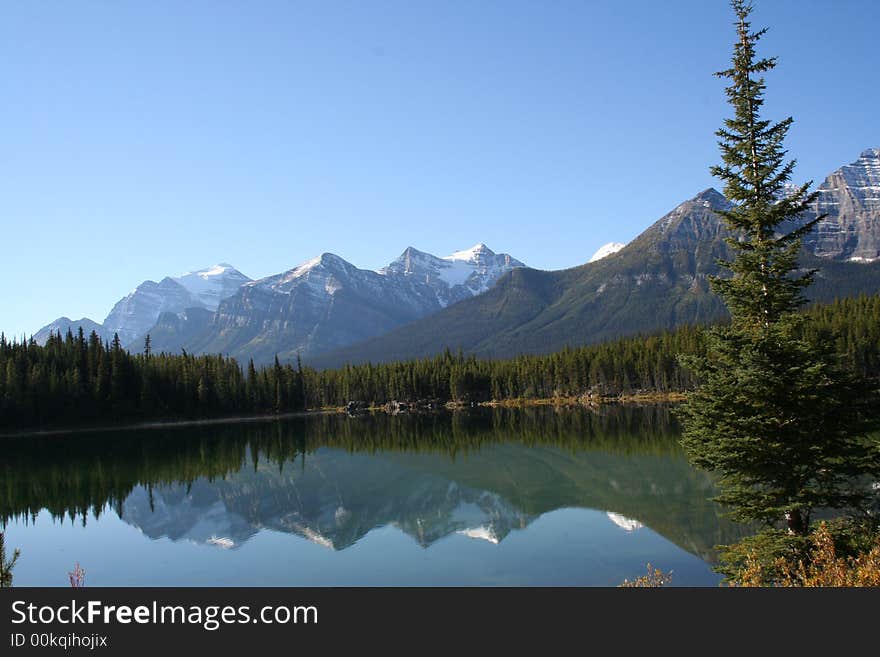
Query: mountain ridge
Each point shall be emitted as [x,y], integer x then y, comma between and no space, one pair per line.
[327,302]
[172,311]
[657,281]
[329,311]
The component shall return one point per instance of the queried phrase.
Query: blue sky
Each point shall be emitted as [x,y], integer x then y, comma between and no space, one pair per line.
[144,139]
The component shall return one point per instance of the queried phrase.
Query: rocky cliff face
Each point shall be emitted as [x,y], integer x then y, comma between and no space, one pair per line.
[135,313]
[689,226]
[851,198]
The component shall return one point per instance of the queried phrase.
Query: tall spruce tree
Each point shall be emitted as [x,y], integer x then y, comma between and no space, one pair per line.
[775,416]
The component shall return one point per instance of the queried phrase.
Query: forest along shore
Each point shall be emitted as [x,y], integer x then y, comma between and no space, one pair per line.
[392,408]
[80,381]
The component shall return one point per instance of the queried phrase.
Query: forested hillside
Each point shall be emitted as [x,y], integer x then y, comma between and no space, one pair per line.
[75,379]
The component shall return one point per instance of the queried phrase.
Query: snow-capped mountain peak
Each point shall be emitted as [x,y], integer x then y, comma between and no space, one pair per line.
[454,277]
[217,270]
[305,267]
[323,272]
[302,269]
[210,286]
[474,254]
[606,250]
[411,262]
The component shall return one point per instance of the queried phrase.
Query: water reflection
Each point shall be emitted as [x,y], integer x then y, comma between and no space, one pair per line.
[480,475]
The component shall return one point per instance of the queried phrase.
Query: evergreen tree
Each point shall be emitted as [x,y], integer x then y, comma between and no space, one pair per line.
[775,416]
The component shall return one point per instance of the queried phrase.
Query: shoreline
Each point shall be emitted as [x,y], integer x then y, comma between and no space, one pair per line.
[523,402]
[161,424]
[596,400]
[519,402]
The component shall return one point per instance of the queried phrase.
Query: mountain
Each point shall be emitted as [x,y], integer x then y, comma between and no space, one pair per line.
[657,281]
[327,303]
[64,324]
[136,313]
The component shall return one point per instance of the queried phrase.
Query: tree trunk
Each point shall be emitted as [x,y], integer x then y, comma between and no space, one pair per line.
[795,521]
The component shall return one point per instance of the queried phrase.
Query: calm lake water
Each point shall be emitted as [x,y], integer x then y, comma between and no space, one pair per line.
[485,497]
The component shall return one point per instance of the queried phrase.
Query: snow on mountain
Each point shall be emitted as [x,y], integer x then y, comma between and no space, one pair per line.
[454,277]
[477,253]
[210,286]
[325,274]
[321,278]
[606,250]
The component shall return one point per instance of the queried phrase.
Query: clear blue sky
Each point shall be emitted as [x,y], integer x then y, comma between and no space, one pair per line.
[143,139]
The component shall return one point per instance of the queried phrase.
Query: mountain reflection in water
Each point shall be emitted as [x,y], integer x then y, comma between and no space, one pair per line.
[483,474]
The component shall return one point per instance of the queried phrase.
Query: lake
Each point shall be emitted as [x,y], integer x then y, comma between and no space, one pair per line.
[489,496]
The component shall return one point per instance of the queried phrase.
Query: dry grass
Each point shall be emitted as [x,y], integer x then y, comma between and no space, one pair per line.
[655,578]
[823,567]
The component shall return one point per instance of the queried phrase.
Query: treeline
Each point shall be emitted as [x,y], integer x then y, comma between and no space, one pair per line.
[78,379]
[622,366]
[649,364]
[75,379]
